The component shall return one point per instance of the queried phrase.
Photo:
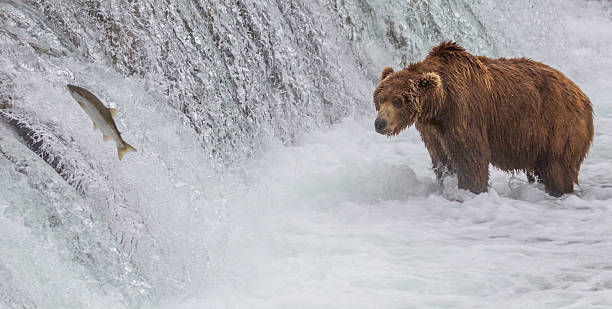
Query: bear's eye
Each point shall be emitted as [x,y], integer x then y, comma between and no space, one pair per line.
[397,103]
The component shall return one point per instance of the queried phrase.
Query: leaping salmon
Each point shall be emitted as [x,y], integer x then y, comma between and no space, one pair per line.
[102,117]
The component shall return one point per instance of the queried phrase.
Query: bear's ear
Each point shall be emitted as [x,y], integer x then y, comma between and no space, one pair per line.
[429,81]
[386,71]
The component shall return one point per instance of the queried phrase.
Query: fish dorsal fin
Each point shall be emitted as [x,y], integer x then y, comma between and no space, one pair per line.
[105,137]
[95,126]
[113,112]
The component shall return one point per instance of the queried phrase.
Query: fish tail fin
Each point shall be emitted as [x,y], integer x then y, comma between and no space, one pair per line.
[126,148]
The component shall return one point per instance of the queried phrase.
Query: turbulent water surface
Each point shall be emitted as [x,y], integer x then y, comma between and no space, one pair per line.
[259,181]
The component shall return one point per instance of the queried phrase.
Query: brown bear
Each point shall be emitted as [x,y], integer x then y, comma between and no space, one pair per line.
[517,114]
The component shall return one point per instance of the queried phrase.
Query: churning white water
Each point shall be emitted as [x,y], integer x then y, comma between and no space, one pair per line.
[259,181]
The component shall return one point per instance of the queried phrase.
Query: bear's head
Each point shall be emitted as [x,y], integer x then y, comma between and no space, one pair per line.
[401,97]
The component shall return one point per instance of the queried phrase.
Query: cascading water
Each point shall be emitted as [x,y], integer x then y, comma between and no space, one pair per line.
[207,91]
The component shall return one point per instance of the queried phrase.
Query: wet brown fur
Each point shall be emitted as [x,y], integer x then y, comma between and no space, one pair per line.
[517,114]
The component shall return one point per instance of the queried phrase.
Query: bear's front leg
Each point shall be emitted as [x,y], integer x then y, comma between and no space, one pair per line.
[472,167]
[477,181]
[437,149]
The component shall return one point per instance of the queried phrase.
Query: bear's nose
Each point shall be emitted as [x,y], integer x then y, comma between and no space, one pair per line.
[380,124]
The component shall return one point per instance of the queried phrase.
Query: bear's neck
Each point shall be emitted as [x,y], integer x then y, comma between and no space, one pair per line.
[457,80]
[432,105]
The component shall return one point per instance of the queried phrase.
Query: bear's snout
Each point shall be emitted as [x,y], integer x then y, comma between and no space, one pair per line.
[380,124]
